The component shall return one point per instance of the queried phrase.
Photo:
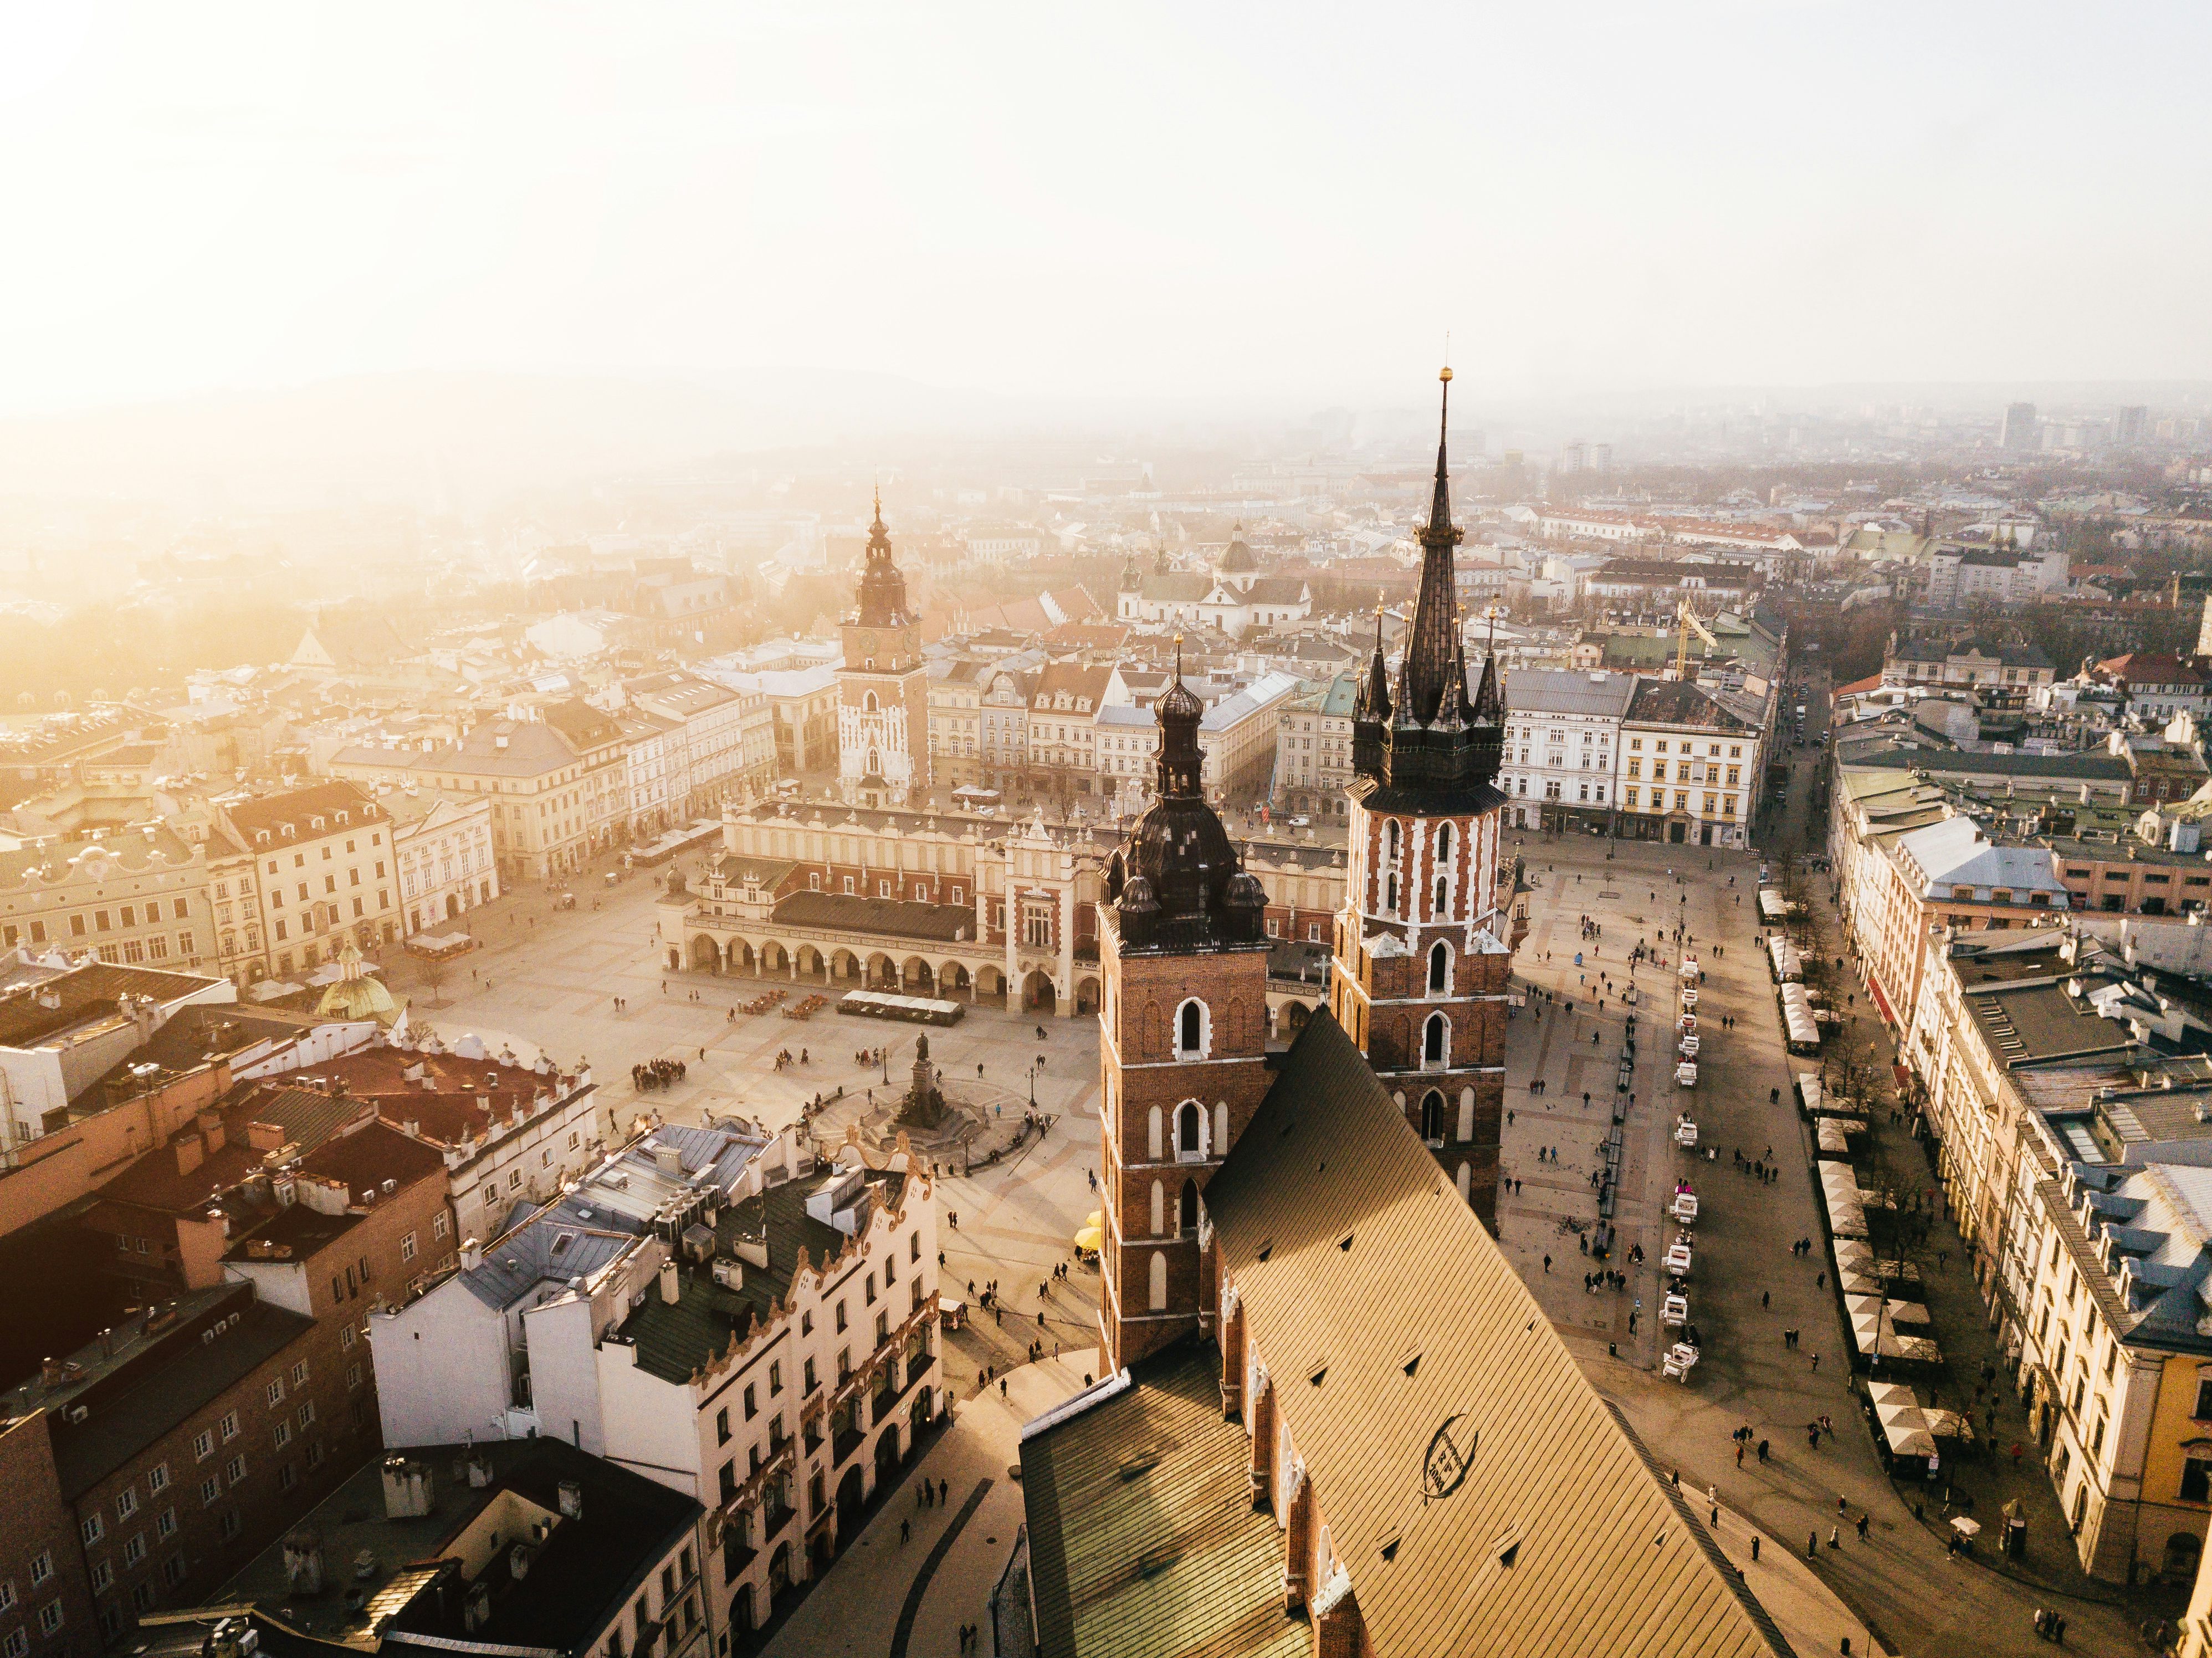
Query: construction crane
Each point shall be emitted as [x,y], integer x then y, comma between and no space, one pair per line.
[1685,620]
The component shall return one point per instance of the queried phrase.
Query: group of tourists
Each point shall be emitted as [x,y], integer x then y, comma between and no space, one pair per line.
[656,1073]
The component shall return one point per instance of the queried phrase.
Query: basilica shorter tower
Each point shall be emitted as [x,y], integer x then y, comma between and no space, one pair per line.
[1182,1043]
[1423,951]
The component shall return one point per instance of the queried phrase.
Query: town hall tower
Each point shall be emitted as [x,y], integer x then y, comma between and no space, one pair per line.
[882,689]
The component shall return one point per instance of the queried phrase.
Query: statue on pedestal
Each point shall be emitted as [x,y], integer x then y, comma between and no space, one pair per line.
[924,1105]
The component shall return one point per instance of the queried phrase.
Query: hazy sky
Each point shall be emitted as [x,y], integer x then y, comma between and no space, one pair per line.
[1110,199]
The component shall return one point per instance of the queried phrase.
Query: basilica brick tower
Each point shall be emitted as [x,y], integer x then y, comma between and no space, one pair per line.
[883,701]
[1182,1043]
[1422,950]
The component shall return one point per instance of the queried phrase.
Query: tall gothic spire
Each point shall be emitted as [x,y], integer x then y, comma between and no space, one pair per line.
[1373,702]
[1432,642]
[1440,734]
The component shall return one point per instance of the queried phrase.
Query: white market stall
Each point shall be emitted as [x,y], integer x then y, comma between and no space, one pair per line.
[1875,1334]
[1839,1190]
[1786,961]
[1801,1031]
[1834,1135]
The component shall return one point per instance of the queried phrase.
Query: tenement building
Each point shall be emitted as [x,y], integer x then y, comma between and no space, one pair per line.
[1422,945]
[716,1308]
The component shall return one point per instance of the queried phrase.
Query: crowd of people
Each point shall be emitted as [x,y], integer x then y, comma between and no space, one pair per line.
[656,1073]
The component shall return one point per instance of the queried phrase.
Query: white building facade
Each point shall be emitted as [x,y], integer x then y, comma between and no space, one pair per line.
[1563,747]
[714,1308]
[446,867]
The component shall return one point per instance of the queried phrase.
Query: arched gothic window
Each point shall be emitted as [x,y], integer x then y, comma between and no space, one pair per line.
[1435,1039]
[1439,968]
[1190,1029]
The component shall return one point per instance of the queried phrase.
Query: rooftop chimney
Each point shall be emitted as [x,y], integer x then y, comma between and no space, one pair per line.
[671,1283]
[409,1491]
[572,1500]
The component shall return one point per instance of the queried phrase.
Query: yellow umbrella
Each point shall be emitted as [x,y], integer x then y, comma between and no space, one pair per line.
[1090,1238]
[1095,1217]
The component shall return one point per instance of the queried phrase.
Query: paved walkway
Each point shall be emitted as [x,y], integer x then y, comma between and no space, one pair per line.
[886,1596]
[1748,1289]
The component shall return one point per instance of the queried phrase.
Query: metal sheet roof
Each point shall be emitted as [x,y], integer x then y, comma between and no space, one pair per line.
[1392,1322]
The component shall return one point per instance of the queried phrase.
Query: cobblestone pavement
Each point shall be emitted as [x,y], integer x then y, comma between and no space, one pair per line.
[1746,1288]
[551,977]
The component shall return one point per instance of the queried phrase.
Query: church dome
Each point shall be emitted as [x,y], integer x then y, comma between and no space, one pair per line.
[1182,892]
[1238,560]
[357,995]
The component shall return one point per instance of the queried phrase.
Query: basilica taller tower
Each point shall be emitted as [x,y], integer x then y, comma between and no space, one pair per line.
[1423,951]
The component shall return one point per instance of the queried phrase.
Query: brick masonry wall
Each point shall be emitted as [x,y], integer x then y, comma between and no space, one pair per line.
[1385,1000]
[36,1527]
[1139,1074]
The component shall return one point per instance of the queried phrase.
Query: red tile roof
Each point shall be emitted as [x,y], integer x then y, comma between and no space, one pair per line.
[372,1155]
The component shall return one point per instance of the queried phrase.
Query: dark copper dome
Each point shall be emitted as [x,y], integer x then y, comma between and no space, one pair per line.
[1180,885]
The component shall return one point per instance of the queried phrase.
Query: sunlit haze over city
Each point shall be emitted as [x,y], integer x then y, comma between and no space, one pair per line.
[855,829]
